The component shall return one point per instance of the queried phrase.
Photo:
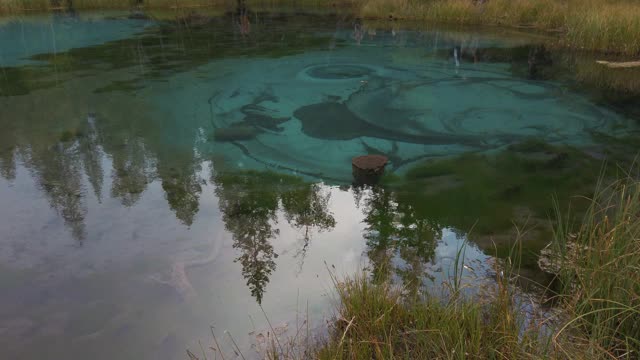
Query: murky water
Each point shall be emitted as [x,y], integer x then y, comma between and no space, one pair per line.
[158,178]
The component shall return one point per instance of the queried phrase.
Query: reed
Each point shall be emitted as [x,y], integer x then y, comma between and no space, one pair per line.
[600,272]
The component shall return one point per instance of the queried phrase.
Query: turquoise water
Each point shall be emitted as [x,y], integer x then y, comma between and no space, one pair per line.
[158,179]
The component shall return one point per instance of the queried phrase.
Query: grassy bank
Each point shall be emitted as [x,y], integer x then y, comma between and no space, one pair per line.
[599,25]
[598,265]
[599,268]
[377,322]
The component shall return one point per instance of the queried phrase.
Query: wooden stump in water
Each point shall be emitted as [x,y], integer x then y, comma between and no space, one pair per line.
[368,169]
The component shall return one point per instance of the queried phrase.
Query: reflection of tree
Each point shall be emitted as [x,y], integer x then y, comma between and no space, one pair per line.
[248,210]
[182,186]
[7,164]
[130,170]
[7,148]
[92,158]
[306,208]
[396,233]
[250,201]
[60,176]
[380,216]
[417,232]
[418,235]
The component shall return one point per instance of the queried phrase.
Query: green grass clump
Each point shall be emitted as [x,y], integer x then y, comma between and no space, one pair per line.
[600,272]
[377,322]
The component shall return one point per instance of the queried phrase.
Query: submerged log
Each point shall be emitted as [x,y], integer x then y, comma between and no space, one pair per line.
[619,65]
[368,169]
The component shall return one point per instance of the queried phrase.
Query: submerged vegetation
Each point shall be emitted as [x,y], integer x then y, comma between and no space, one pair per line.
[472,192]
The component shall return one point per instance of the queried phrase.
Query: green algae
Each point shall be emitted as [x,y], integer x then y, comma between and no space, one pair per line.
[15,81]
[486,192]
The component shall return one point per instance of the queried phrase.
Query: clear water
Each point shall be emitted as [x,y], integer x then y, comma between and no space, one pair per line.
[159,179]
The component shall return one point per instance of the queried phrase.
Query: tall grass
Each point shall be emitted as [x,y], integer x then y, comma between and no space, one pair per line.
[612,26]
[600,272]
[541,13]
[383,321]
[377,322]
[597,25]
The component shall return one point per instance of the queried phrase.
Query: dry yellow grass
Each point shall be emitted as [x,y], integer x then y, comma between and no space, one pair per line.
[599,25]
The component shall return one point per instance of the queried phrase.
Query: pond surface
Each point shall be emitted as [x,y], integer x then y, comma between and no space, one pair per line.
[159,178]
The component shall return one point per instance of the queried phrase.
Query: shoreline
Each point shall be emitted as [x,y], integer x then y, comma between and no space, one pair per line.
[606,27]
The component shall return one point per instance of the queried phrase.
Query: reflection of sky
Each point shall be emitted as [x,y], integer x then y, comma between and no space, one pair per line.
[126,248]
[20,39]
